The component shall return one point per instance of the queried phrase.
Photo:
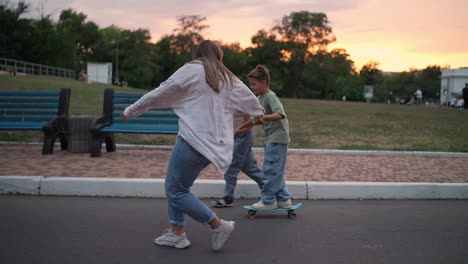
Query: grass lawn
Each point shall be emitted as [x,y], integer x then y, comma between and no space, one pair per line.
[313,123]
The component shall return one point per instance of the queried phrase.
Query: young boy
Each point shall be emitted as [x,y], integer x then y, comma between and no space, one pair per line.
[274,192]
[243,159]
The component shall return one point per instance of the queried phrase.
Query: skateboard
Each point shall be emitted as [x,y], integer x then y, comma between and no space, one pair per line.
[253,211]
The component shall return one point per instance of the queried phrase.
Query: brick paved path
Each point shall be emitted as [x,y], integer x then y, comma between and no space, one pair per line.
[27,160]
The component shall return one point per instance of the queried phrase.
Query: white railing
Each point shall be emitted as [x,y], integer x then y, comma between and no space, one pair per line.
[13,67]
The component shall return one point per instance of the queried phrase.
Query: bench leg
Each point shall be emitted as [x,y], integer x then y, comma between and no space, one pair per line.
[110,143]
[96,143]
[48,144]
[49,139]
[63,142]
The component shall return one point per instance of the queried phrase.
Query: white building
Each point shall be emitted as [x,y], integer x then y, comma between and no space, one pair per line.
[452,82]
[99,72]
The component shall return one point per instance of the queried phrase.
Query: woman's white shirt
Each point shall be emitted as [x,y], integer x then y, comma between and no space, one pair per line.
[205,117]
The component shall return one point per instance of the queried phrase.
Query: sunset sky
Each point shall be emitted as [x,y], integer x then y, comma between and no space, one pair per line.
[399,34]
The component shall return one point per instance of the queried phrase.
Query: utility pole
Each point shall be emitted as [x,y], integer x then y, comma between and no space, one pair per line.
[117,62]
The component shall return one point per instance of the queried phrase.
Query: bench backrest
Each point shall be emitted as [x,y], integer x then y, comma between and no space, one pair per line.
[40,107]
[115,103]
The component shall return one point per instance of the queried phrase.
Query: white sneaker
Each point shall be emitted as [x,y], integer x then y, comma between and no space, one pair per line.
[172,240]
[261,205]
[285,204]
[221,234]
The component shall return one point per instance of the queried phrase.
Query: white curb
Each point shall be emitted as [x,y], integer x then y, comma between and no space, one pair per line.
[116,187]
[20,184]
[380,190]
[154,188]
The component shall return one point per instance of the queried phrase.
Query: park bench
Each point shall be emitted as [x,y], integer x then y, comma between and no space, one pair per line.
[154,121]
[35,111]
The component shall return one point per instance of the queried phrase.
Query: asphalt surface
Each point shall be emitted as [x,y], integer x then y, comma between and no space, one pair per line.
[42,229]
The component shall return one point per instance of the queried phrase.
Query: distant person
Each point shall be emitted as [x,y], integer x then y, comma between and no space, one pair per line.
[465,96]
[274,192]
[446,101]
[11,70]
[453,102]
[205,95]
[83,76]
[419,96]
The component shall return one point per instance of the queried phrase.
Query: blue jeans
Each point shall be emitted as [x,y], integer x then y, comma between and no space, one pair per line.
[243,159]
[184,167]
[274,167]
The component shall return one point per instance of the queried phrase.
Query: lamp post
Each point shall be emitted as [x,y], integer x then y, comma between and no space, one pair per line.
[116,42]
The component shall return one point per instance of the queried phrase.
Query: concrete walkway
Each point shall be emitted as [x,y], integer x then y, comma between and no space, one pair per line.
[318,167]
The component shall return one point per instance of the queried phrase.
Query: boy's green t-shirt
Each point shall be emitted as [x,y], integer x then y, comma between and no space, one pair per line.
[277,131]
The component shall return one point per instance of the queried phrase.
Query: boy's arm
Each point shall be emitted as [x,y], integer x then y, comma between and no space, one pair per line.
[250,123]
[273,117]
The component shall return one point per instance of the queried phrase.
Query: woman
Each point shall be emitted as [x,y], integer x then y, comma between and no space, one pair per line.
[205,95]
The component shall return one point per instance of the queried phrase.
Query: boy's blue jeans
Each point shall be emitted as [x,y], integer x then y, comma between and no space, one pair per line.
[184,167]
[274,167]
[243,159]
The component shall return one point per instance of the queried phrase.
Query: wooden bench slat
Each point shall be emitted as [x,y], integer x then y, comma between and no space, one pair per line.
[23,106]
[28,100]
[22,125]
[127,95]
[26,118]
[19,93]
[125,101]
[26,112]
[140,129]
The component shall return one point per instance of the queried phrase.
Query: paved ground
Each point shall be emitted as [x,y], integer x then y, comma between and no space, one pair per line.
[39,229]
[27,160]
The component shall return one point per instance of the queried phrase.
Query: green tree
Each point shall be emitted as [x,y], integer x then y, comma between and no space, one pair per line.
[399,86]
[47,44]
[267,50]
[371,74]
[137,66]
[326,73]
[235,59]
[15,32]
[187,35]
[172,51]
[302,34]
[428,81]
[83,35]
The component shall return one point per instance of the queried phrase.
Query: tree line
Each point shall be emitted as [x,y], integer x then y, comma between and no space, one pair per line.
[295,50]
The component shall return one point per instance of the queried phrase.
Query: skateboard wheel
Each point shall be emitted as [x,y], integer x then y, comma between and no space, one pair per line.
[251,214]
[292,215]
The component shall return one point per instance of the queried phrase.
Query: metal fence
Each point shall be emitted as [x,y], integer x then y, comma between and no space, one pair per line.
[13,67]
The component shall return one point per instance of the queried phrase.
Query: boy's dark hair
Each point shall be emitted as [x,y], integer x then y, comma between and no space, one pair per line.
[260,73]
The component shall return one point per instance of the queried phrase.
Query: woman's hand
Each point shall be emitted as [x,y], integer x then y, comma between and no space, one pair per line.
[258,121]
[124,118]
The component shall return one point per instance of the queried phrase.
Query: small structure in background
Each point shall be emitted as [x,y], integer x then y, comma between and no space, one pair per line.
[452,83]
[368,92]
[99,72]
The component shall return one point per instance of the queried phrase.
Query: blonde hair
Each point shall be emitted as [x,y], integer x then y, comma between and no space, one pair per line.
[260,73]
[211,55]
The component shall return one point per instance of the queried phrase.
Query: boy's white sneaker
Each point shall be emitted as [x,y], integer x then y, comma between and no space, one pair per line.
[172,240]
[261,205]
[285,204]
[222,234]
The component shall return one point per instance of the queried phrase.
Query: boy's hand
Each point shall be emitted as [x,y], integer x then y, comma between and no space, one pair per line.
[124,118]
[258,121]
